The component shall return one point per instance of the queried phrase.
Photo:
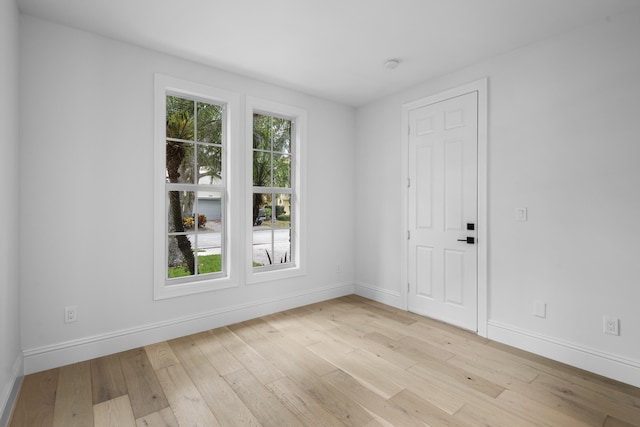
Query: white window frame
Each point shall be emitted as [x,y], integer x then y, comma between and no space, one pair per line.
[163,287]
[298,187]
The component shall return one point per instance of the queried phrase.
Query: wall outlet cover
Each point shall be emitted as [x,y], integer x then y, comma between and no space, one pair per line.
[521,214]
[70,314]
[611,325]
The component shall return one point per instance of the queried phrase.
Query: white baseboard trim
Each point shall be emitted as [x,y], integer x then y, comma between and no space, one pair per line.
[381,295]
[64,353]
[599,362]
[10,390]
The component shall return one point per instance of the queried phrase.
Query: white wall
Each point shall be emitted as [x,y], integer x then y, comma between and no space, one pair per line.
[564,142]
[86,199]
[10,355]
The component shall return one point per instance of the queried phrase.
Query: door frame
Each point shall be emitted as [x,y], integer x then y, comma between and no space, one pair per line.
[481,87]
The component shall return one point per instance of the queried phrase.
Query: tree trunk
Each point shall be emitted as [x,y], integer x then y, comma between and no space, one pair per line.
[257,202]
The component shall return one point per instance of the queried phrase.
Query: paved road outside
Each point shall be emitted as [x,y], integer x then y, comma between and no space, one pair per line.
[209,242]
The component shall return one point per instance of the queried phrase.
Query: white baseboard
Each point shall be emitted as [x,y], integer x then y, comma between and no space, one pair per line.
[10,390]
[606,364]
[381,295]
[599,362]
[64,353]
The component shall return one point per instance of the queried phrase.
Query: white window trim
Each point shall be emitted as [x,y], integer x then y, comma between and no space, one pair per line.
[162,289]
[299,220]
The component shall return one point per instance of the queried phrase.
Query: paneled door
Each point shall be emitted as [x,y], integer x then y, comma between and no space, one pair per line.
[443,210]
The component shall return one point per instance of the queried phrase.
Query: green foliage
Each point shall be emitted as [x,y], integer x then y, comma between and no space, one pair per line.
[206,264]
[182,124]
[272,142]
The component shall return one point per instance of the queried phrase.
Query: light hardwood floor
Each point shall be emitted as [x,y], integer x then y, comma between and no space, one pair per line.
[349,361]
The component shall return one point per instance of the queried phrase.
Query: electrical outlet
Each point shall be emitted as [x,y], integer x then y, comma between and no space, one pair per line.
[70,314]
[611,325]
[521,214]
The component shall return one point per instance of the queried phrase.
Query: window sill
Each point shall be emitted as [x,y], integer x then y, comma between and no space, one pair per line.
[165,291]
[256,275]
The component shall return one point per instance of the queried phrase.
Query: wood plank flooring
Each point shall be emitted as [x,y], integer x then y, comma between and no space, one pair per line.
[345,362]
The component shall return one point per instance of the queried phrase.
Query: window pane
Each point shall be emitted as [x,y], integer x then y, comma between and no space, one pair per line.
[281,135]
[180,260]
[262,246]
[209,263]
[262,231]
[209,123]
[180,211]
[209,251]
[261,209]
[180,118]
[261,132]
[282,246]
[209,223]
[209,164]
[261,169]
[180,162]
[283,211]
[209,210]
[282,170]
[209,239]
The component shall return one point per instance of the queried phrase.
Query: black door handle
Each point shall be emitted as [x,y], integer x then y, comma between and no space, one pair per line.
[470,240]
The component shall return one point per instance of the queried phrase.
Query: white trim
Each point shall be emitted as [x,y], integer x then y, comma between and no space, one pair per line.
[481,87]
[299,188]
[602,363]
[64,353]
[384,296]
[10,390]
[161,288]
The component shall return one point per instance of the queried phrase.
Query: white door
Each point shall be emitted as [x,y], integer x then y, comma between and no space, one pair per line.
[443,211]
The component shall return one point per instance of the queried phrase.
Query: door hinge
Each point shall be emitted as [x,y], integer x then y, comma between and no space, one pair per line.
[408,182]
[408,235]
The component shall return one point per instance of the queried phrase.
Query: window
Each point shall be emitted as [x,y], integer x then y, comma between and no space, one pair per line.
[271,215]
[199,173]
[275,202]
[192,195]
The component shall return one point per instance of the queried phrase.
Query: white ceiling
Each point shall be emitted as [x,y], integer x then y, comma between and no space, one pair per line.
[330,48]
